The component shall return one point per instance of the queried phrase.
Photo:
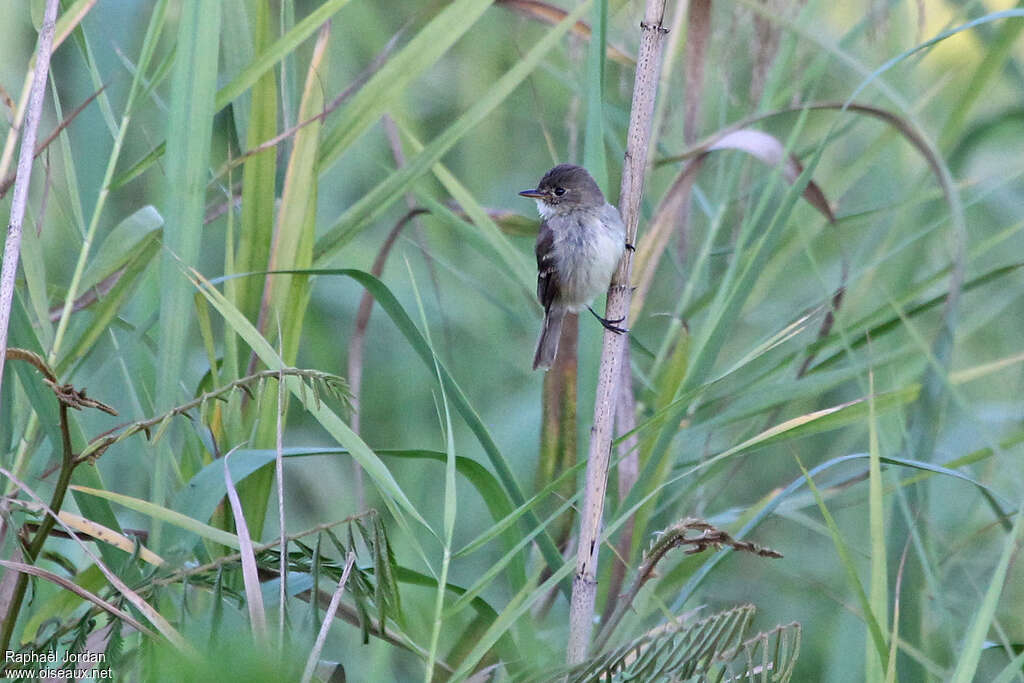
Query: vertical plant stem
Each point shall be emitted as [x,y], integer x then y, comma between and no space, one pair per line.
[325,626]
[189,132]
[19,199]
[149,45]
[279,476]
[698,34]
[357,344]
[355,354]
[45,527]
[584,586]
[558,441]
[628,469]
[558,422]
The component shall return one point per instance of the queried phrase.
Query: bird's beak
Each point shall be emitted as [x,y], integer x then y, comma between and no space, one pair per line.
[533,194]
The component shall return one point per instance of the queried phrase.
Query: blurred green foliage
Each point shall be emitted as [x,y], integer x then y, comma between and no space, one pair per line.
[726,418]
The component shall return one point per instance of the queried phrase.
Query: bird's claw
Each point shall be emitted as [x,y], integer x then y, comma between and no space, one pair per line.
[610,325]
[614,328]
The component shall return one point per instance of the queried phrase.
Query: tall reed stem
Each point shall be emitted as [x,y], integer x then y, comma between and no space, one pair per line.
[645,88]
[19,199]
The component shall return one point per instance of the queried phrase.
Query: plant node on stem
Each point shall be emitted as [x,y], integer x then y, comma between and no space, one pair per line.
[645,88]
[68,397]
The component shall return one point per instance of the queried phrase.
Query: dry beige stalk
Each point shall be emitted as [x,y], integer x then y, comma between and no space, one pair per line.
[628,468]
[23,177]
[698,34]
[645,87]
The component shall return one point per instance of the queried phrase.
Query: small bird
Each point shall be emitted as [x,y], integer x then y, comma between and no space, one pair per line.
[581,240]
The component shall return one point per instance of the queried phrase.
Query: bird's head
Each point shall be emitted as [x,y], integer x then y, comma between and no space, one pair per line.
[564,188]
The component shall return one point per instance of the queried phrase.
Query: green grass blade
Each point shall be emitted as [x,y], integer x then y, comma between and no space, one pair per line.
[106,310]
[204,492]
[450,504]
[510,259]
[870,618]
[274,53]
[188,135]
[874,666]
[292,247]
[62,605]
[594,157]
[970,653]
[259,180]
[238,50]
[392,492]
[33,266]
[513,610]
[478,240]
[510,518]
[153,32]
[189,131]
[487,578]
[122,244]
[394,78]
[996,53]
[374,202]
[167,515]
[485,612]
[1012,672]
[390,305]
[22,334]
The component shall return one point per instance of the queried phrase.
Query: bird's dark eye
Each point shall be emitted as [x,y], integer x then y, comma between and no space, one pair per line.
[559,191]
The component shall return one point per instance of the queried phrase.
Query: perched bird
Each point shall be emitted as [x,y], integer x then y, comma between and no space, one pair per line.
[581,240]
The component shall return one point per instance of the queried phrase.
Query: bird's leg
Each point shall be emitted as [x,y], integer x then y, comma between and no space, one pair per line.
[610,325]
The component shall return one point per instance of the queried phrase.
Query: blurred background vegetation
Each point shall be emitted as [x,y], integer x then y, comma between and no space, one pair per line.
[898,561]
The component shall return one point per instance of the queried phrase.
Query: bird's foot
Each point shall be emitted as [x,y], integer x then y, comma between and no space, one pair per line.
[610,325]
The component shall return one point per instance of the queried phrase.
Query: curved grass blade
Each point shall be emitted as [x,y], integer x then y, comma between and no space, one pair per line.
[77,590]
[375,98]
[61,605]
[189,138]
[970,654]
[250,575]
[509,257]
[104,312]
[548,13]
[281,48]
[879,584]
[335,426]
[147,610]
[390,305]
[513,610]
[102,533]
[482,607]
[161,513]
[259,180]
[201,496]
[870,618]
[996,53]
[359,215]
[778,498]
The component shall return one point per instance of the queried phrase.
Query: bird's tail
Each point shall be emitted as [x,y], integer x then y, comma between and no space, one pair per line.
[547,346]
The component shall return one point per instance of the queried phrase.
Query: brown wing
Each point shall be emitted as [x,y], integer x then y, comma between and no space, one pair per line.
[547,276]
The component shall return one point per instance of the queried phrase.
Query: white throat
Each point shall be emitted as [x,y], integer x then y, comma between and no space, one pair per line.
[545,210]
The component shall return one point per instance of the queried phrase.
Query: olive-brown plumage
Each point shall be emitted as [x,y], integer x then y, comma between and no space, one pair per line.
[580,242]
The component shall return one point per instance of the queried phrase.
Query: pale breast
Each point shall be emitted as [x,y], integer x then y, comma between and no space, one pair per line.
[588,252]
